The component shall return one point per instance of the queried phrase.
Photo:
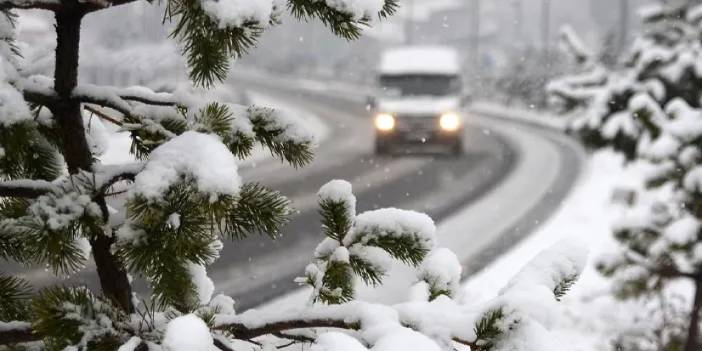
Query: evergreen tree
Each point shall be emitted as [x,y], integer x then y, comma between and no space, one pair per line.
[648,108]
[60,207]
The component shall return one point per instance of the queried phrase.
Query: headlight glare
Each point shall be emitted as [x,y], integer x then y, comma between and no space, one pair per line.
[450,122]
[385,122]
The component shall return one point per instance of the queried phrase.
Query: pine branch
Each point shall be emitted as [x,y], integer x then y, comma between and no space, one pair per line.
[23,332]
[14,297]
[241,331]
[25,188]
[487,330]
[114,98]
[564,286]
[85,7]
[336,221]
[278,328]
[257,210]
[103,115]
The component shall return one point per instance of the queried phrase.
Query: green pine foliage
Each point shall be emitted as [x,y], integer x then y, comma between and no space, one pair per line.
[350,252]
[15,294]
[66,315]
[564,286]
[487,330]
[27,153]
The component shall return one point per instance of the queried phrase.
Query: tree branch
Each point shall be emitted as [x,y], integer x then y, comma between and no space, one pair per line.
[115,98]
[24,188]
[294,337]
[85,7]
[18,335]
[103,115]
[97,5]
[241,331]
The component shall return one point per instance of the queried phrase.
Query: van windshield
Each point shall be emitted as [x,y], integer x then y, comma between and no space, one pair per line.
[420,84]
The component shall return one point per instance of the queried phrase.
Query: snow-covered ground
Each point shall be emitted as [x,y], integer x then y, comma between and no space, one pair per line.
[531,116]
[591,319]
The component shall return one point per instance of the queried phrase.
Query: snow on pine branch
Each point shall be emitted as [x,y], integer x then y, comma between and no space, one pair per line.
[237,13]
[13,108]
[361,246]
[528,303]
[436,323]
[191,154]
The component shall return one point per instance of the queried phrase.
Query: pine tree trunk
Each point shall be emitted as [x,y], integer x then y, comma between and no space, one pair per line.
[693,333]
[113,279]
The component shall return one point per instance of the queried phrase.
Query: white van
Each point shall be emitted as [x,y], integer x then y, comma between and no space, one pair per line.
[419,99]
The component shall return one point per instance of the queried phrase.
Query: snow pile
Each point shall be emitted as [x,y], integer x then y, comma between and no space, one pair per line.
[420,60]
[187,333]
[191,154]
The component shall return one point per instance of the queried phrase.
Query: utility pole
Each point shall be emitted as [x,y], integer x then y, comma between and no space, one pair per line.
[475,37]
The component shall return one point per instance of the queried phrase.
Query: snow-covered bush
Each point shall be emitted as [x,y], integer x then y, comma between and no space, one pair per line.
[648,108]
[163,218]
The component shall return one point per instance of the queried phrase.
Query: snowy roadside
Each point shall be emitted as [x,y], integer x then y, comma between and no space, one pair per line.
[591,318]
[538,118]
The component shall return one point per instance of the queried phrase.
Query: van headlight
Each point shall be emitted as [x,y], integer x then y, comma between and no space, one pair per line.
[450,122]
[384,122]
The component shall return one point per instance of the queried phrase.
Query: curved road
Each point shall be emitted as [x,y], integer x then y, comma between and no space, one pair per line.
[510,178]
[257,269]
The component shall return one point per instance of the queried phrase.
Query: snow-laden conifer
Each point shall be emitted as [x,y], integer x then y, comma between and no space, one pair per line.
[648,108]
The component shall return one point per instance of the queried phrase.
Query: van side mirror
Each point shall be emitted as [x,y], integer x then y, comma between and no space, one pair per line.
[371,102]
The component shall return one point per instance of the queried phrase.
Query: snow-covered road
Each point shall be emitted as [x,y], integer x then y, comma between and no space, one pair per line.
[511,178]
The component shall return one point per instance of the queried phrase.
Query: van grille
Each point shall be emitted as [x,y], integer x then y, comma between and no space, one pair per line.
[417,123]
